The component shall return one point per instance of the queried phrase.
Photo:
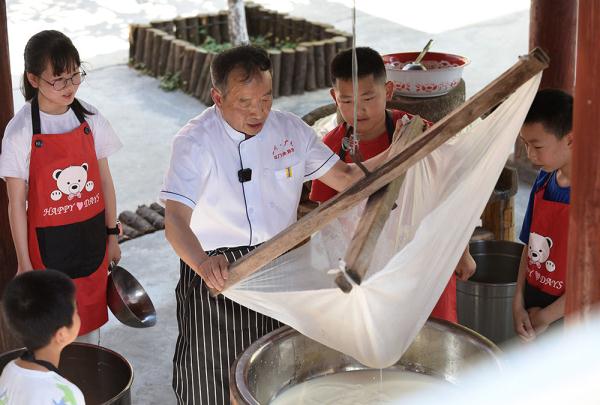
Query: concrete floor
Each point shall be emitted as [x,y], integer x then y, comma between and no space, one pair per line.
[146,118]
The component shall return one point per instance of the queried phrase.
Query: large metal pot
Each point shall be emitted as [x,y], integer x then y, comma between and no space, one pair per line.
[104,376]
[484,302]
[285,358]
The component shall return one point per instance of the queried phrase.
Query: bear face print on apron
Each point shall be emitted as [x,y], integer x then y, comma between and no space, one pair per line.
[546,251]
[65,214]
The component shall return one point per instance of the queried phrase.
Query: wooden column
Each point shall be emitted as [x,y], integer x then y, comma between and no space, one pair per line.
[553,27]
[8,258]
[583,277]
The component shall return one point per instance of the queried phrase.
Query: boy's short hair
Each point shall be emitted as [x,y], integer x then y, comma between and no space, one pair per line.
[250,59]
[37,304]
[553,109]
[368,60]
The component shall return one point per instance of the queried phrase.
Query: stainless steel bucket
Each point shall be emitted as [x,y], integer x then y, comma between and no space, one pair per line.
[104,376]
[484,303]
[285,358]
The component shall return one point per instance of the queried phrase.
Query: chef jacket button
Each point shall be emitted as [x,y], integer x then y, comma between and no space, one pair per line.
[38,143]
[86,130]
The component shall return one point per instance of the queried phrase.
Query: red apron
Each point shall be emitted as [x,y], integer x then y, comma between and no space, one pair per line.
[65,215]
[446,306]
[547,250]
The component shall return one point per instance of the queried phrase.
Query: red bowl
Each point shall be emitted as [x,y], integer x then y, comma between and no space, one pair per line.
[444,72]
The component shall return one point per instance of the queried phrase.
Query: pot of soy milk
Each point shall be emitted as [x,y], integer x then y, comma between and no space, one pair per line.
[285,367]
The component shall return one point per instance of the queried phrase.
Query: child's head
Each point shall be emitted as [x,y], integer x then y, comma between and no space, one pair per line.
[40,306]
[547,129]
[373,89]
[52,68]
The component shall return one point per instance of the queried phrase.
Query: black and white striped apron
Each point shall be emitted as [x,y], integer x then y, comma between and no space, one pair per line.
[212,332]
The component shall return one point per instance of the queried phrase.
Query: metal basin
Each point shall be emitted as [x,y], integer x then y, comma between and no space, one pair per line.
[285,358]
[128,300]
[104,376]
[484,302]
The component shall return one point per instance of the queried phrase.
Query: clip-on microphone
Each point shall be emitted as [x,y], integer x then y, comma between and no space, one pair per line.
[244,175]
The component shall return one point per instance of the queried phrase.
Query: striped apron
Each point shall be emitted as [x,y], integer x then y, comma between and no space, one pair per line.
[212,332]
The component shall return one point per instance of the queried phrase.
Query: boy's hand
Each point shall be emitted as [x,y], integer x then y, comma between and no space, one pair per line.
[522,324]
[114,251]
[213,271]
[466,266]
[538,320]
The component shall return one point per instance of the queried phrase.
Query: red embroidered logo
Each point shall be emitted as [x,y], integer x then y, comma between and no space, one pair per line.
[284,149]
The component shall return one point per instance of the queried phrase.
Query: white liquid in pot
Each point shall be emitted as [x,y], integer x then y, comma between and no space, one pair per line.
[356,388]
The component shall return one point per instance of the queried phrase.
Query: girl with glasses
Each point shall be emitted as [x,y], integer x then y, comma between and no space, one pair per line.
[62,205]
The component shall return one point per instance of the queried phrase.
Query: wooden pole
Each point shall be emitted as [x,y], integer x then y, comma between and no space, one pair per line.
[299,71]
[553,27]
[275,56]
[490,96]
[8,258]
[583,275]
[287,71]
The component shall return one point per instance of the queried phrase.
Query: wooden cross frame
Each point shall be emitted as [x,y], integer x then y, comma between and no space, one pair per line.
[376,213]
[493,94]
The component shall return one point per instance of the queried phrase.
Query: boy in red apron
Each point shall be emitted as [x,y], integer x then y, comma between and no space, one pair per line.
[376,127]
[539,300]
[62,201]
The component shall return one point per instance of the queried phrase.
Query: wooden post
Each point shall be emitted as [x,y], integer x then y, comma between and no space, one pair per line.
[197,64]
[252,18]
[287,71]
[204,76]
[163,57]
[330,52]
[279,34]
[583,275]
[299,71]
[214,30]
[156,47]
[553,27]
[181,28]
[140,35]
[320,64]
[192,30]
[133,29]
[275,56]
[189,52]
[490,96]
[224,25]
[8,258]
[179,51]
[311,75]
[341,43]
[170,68]
[148,47]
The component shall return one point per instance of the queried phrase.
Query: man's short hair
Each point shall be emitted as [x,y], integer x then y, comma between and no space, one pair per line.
[250,59]
[369,62]
[37,304]
[553,109]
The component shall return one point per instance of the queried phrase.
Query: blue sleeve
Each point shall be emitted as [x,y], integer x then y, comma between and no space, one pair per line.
[524,236]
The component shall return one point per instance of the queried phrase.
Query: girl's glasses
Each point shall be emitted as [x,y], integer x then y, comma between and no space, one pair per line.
[60,84]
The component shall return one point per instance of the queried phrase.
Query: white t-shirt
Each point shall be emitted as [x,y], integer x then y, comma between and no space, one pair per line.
[207,155]
[16,145]
[21,386]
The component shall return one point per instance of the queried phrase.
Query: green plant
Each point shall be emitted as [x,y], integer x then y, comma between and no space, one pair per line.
[170,81]
[211,45]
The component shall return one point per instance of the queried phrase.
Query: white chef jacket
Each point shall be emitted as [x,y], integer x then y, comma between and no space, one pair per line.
[206,158]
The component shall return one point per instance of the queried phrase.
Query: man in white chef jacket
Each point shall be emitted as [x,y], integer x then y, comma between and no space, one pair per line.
[234,182]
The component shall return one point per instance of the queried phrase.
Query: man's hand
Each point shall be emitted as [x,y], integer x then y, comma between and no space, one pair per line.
[522,324]
[213,271]
[466,266]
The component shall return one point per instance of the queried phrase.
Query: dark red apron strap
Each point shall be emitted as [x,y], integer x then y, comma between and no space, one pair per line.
[30,357]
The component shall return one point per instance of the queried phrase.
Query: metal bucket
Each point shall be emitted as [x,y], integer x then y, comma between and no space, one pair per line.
[285,357]
[484,302]
[104,376]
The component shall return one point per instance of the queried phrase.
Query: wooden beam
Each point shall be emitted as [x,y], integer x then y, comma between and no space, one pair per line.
[8,257]
[583,275]
[493,94]
[376,213]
